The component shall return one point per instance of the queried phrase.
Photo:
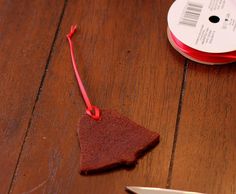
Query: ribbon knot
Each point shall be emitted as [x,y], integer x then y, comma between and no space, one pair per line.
[72,31]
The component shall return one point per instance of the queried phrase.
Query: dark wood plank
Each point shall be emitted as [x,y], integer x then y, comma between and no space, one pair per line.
[206,146]
[27,29]
[126,64]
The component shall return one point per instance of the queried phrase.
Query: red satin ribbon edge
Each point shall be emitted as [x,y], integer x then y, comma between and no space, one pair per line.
[204,56]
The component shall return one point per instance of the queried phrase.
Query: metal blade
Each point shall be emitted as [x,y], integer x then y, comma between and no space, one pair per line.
[150,190]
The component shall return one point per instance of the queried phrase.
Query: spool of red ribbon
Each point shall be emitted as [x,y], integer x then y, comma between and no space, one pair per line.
[199,56]
[203,30]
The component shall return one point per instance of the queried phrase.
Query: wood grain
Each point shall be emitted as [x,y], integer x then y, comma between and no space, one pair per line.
[27,29]
[126,64]
[206,146]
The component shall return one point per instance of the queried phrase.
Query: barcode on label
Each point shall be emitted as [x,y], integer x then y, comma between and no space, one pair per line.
[191,14]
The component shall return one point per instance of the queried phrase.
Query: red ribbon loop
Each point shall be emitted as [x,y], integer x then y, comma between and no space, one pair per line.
[91,110]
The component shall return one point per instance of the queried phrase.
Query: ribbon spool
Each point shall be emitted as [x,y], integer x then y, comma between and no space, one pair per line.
[203,30]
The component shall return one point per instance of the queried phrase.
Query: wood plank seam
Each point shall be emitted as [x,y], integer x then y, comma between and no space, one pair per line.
[38,93]
[181,98]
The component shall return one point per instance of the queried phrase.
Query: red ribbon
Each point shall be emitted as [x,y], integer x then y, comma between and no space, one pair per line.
[204,56]
[91,110]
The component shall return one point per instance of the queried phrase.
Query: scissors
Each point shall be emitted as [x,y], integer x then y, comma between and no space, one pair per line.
[151,190]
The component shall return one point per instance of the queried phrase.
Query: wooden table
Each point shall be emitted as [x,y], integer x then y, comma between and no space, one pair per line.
[127,64]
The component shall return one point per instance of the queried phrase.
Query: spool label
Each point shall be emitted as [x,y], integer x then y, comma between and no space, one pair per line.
[205,25]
